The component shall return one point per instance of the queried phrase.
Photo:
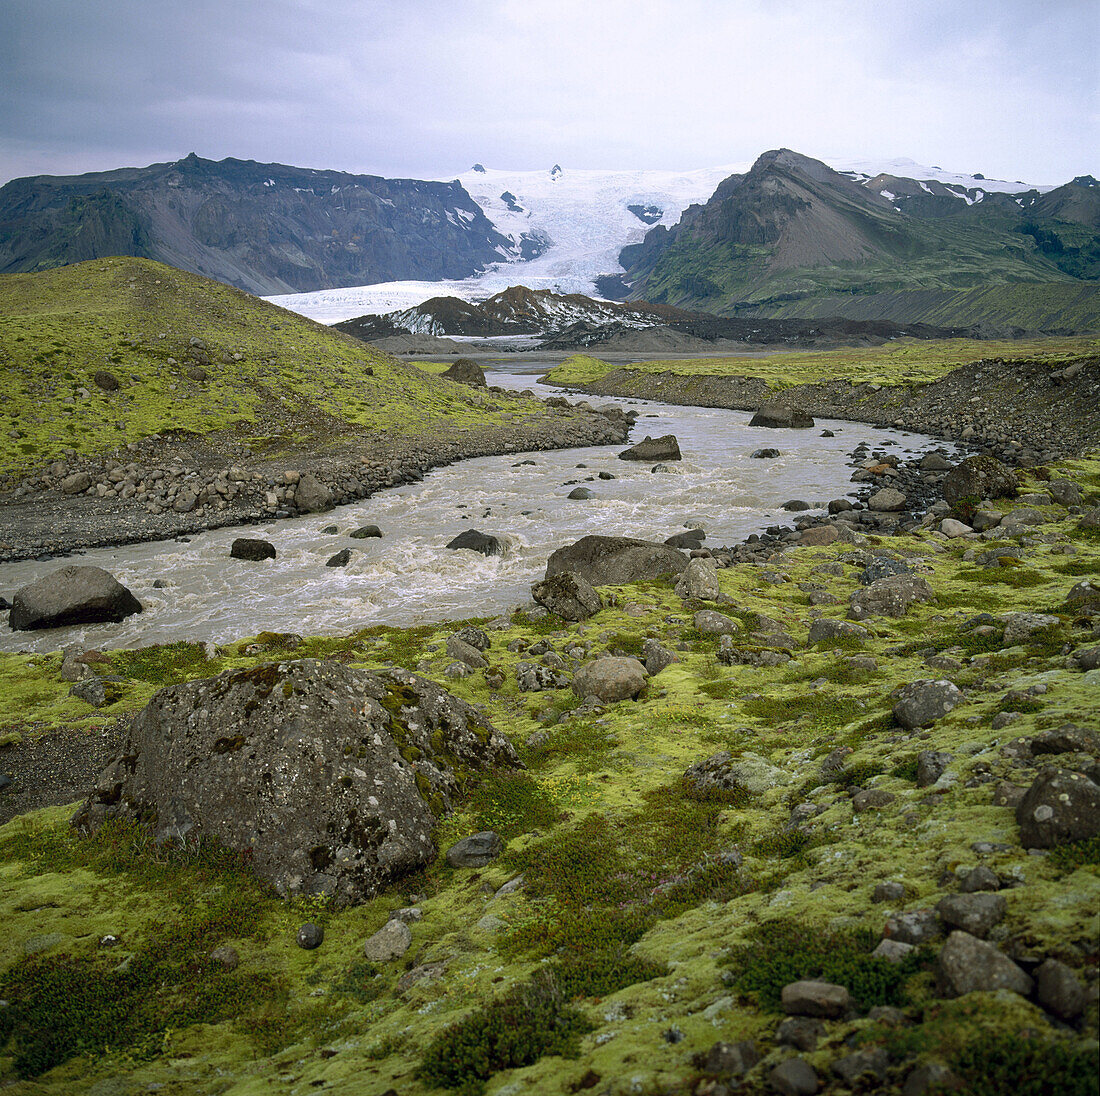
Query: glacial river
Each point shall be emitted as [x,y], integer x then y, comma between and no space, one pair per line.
[409,577]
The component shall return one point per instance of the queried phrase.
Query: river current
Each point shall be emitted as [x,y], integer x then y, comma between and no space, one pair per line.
[408,576]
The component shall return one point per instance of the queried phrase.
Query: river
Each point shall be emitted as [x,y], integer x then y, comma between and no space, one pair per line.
[409,577]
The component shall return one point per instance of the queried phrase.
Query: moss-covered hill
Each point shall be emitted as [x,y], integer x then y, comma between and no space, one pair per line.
[187,354]
[652,920]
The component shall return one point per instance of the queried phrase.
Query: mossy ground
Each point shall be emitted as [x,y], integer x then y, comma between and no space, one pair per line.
[899,362]
[273,379]
[636,925]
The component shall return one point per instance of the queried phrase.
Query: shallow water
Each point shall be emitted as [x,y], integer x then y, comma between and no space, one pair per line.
[408,576]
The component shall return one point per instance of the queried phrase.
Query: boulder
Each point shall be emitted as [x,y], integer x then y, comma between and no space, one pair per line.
[365,531]
[475,637]
[475,851]
[913,927]
[390,942]
[749,771]
[75,484]
[610,679]
[711,623]
[340,559]
[71,595]
[466,653]
[794,1077]
[466,371]
[818,536]
[825,629]
[973,913]
[471,539]
[1065,492]
[764,454]
[979,478]
[693,538]
[888,500]
[1059,990]
[567,595]
[699,580]
[1019,627]
[252,548]
[811,998]
[1060,806]
[966,964]
[653,449]
[579,494]
[330,778]
[656,656]
[883,567]
[311,495]
[889,596]
[921,703]
[931,765]
[778,414]
[612,561]
[952,528]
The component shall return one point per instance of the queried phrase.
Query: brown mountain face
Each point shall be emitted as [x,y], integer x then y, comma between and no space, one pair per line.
[266,228]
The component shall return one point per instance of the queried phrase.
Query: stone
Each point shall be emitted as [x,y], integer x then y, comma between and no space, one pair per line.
[921,703]
[749,772]
[931,765]
[475,637]
[653,449]
[794,1077]
[802,1032]
[699,580]
[978,478]
[1019,627]
[1068,738]
[951,528]
[71,595]
[1065,492]
[813,998]
[311,496]
[887,500]
[890,891]
[929,1078]
[985,519]
[614,561]
[567,595]
[656,657]
[979,879]
[610,679]
[872,799]
[914,927]
[310,936]
[475,851]
[1060,806]
[105,380]
[818,536]
[364,532]
[252,548]
[75,484]
[1088,658]
[226,957]
[579,494]
[824,630]
[883,567]
[966,964]
[796,506]
[691,540]
[730,1060]
[466,653]
[390,942]
[889,596]
[340,559]
[973,913]
[764,454]
[712,623]
[91,690]
[935,462]
[778,414]
[893,951]
[1059,990]
[871,1064]
[474,541]
[338,802]
[465,371]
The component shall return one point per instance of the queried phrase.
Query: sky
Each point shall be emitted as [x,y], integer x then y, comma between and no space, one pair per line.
[426,88]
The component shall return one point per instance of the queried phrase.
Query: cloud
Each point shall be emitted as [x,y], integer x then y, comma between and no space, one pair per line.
[422,87]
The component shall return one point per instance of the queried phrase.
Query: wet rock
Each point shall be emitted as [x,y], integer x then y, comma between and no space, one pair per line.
[794,1077]
[579,494]
[202,760]
[778,414]
[310,936]
[311,496]
[474,541]
[610,679]
[921,703]
[465,653]
[252,548]
[364,532]
[966,964]
[801,1032]
[978,478]
[689,541]
[914,927]
[931,765]
[614,561]
[567,595]
[699,581]
[889,596]
[71,595]
[1060,806]
[764,454]
[973,913]
[1059,990]
[813,998]
[390,942]
[475,851]
[340,559]
[653,449]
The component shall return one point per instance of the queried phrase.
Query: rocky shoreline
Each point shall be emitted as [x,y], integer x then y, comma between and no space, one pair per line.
[178,485]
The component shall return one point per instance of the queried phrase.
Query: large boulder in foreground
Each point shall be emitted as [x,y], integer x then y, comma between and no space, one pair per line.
[650,449]
[612,561]
[979,478]
[71,595]
[329,778]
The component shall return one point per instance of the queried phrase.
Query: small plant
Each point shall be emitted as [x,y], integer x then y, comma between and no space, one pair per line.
[512,803]
[1027,1064]
[1077,854]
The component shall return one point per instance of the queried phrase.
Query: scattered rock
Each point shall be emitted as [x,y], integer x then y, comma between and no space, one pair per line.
[364,532]
[475,851]
[226,957]
[340,559]
[465,371]
[712,623]
[921,703]
[978,478]
[579,494]
[812,998]
[871,1064]
[931,765]
[252,548]
[1060,806]
[610,679]
[656,657]
[778,414]
[973,913]
[979,879]
[699,580]
[311,496]
[966,964]
[914,927]
[1059,990]
[614,561]
[794,1077]
[889,596]
[730,1060]
[1019,627]
[887,500]
[390,942]
[802,1032]
[466,653]
[825,629]
[105,380]
[310,936]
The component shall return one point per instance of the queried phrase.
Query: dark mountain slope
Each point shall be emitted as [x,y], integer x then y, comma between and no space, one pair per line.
[266,228]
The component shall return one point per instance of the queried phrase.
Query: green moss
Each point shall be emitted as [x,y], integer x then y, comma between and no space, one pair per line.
[1077,854]
[165,664]
[1027,1063]
[511,803]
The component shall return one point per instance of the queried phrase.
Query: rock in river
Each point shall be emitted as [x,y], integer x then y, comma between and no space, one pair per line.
[329,777]
[653,449]
[71,595]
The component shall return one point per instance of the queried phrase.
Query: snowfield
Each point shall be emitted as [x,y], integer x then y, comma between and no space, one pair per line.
[582,220]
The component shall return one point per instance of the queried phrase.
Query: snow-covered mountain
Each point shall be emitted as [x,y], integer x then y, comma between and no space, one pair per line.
[568,226]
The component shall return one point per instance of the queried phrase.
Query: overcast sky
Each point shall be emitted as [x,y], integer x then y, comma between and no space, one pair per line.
[425,88]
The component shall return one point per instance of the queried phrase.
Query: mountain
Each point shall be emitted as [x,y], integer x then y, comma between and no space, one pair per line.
[791,229]
[266,228]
